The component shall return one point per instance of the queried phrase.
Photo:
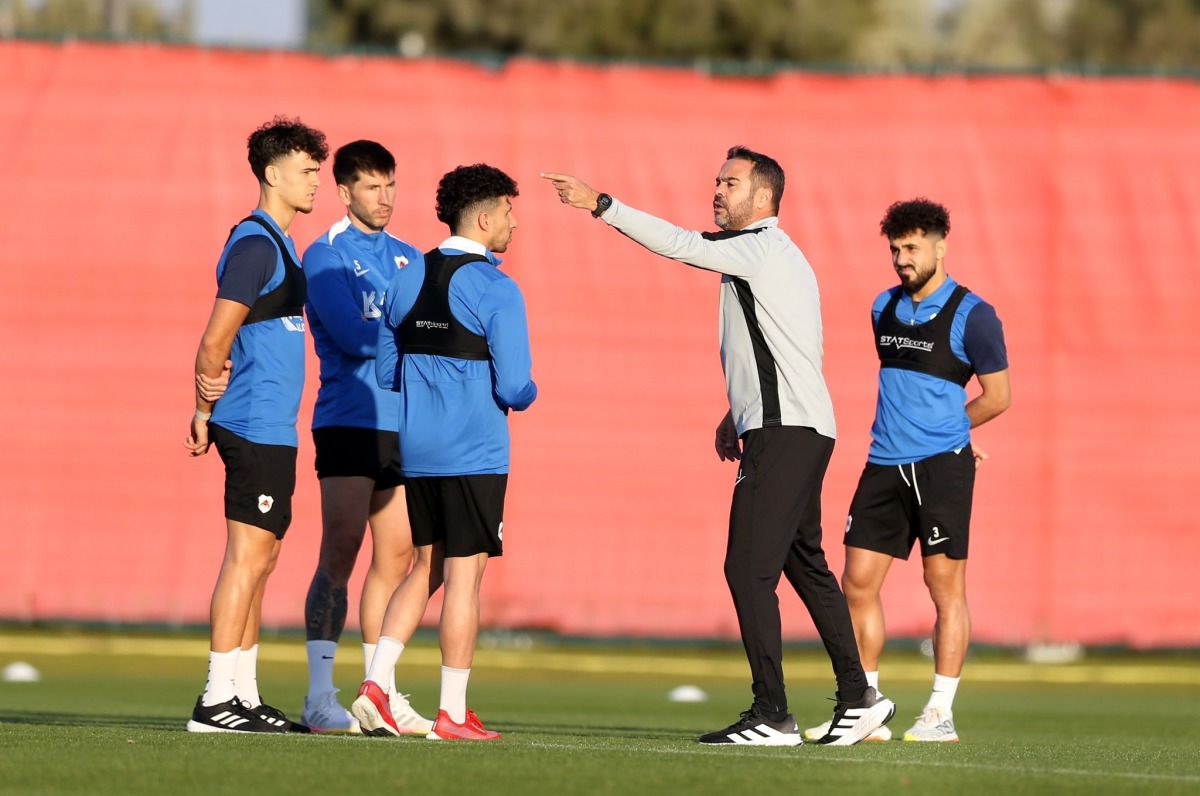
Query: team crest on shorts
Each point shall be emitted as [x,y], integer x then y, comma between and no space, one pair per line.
[265,502]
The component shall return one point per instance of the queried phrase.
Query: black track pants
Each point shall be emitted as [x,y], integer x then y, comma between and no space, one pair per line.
[775,528]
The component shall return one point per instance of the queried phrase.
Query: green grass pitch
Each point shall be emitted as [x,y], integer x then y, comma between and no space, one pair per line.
[108,715]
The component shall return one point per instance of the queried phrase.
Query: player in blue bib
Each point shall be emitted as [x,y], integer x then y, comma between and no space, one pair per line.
[256,322]
[932,337]
[455,343]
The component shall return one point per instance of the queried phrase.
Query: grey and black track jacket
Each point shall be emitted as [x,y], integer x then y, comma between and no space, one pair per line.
[771,340]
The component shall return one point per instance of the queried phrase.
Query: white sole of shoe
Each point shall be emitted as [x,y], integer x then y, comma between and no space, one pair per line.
[370,722]
[879,714]
[776,740]
[909,738]
[195,726]
[879,736]
[796,741]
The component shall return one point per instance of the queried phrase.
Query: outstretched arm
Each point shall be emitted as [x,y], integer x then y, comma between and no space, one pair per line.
[737,255]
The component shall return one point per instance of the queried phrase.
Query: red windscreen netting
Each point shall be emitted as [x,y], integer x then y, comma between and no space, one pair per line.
[1074,205]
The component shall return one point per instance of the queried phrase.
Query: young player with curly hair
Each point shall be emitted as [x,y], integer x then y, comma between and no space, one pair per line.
[257,322]
[455,343]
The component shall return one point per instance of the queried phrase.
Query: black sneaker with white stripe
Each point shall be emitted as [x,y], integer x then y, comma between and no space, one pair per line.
[231,716]
[275,716]
[754,729]
[853,721]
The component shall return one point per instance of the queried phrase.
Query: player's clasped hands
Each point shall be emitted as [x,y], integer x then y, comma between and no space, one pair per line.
[210,389]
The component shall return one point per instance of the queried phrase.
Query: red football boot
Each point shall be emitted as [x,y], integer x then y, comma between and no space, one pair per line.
[373,711]
[470,730]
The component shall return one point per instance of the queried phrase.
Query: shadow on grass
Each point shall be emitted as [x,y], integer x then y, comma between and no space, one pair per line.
[642,733]
[42,718]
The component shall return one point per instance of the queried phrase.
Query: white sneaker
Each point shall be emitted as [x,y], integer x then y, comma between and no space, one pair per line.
[935,725]
[821,730]
[854,721]
[323,713]
[408,720]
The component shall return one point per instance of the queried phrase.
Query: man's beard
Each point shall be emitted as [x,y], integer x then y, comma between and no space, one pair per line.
[736,216]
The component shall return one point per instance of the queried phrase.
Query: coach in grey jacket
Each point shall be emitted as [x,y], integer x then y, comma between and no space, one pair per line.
[780,426]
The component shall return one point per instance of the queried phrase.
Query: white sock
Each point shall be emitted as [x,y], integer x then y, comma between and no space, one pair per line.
[873,679]
[944,689]
[221,669]
[245,678]
[368,654]
[454,693]
[320,666]
[383,663]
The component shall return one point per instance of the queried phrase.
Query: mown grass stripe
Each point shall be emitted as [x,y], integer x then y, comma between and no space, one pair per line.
[632,664]
[814,758]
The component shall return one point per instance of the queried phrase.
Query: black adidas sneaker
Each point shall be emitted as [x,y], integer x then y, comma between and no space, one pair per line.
[754,729]
[231,716]
[275,716]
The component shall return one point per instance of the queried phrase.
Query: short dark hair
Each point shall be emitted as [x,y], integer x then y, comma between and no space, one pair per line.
[467,187]
[360,158]
[281,137]
[915,215]
[766,172]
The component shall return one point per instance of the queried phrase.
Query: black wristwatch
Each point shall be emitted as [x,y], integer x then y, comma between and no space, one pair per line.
[603,202]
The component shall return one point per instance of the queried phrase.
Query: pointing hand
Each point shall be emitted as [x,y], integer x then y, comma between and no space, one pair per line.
[573,191]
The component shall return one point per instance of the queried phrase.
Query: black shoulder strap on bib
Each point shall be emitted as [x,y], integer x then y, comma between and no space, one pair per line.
[287,299]
[283,249]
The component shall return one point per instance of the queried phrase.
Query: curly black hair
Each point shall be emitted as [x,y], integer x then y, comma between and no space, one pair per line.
[766,172]
[468,187]
[358,158]
[915,215]
[281,137]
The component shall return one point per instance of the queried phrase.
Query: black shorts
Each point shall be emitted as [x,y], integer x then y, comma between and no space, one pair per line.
[930,500]
[464,511]
[364,452]
[259,480]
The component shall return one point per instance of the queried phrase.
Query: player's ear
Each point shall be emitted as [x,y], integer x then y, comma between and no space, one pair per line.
[939,249]
[343,194]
